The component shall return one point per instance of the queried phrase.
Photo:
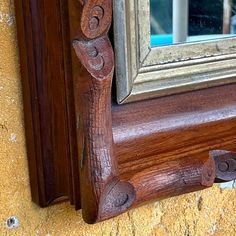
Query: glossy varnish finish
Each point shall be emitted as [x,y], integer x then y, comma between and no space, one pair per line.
[46,77]
[99,176]
[159,134]
[127,155]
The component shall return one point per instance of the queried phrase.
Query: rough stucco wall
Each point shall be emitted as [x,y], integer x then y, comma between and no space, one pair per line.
[210,212]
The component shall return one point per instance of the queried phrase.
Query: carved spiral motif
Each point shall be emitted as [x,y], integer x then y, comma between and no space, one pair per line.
[96,18]
[96,15]
[96,56]
[95,61]
[225,165]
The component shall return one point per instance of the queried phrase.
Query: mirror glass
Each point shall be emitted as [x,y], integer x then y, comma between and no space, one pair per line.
[193,46]
[184,21]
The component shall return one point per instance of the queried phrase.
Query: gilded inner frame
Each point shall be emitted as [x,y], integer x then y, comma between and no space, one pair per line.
[144,72]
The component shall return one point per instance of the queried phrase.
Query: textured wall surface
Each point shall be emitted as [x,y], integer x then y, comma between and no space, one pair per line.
[210,212]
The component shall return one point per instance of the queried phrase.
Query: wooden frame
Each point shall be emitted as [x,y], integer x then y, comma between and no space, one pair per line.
[144,72]
[122,156]
[44,46]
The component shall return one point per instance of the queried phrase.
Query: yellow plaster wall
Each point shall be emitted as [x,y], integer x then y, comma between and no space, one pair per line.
[210,212]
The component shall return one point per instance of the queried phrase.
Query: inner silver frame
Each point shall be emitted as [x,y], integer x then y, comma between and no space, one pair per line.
[144,72]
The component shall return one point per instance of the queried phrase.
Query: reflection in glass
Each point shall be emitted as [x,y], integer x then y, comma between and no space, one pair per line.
[182,21]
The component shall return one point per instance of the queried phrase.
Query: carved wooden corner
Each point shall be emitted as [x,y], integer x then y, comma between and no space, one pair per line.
[225,162]
[114,157]
[103,193]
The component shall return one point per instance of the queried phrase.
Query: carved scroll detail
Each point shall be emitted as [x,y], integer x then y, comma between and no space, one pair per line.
[225,165]
[103,194]
[96,17]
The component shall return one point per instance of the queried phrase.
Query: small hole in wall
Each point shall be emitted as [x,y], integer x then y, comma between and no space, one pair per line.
[12,222]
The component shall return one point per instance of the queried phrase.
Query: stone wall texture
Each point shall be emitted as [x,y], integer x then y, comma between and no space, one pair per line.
[210,212]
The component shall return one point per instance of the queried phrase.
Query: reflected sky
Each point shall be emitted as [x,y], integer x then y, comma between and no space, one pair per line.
[182,21]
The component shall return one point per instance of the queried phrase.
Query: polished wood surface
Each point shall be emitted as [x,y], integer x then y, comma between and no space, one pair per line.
[154,134]
[174,126]
[104,157]
[44,44]
[99,176]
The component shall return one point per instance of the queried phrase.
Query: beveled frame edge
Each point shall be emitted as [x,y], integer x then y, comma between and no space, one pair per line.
[100,179]
[153,132]
[49,155]
[139,76]
[103,194]
[182,168]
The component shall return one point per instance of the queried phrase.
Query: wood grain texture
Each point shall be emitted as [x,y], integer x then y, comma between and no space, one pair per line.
[107,158]
[100,169]
[152,136]
[99,177]
[174,127]
[46,77]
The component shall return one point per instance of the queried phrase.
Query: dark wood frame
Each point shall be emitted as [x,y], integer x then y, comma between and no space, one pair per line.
[121,156]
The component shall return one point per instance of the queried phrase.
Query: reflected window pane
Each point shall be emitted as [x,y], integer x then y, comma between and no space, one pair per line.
[182,21]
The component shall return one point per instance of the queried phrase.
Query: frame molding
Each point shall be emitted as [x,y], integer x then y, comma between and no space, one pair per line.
[46,69]
[106,158]
[143,72]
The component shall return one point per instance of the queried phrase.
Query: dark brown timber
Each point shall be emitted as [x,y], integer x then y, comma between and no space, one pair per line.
[107,158]
[44,43]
